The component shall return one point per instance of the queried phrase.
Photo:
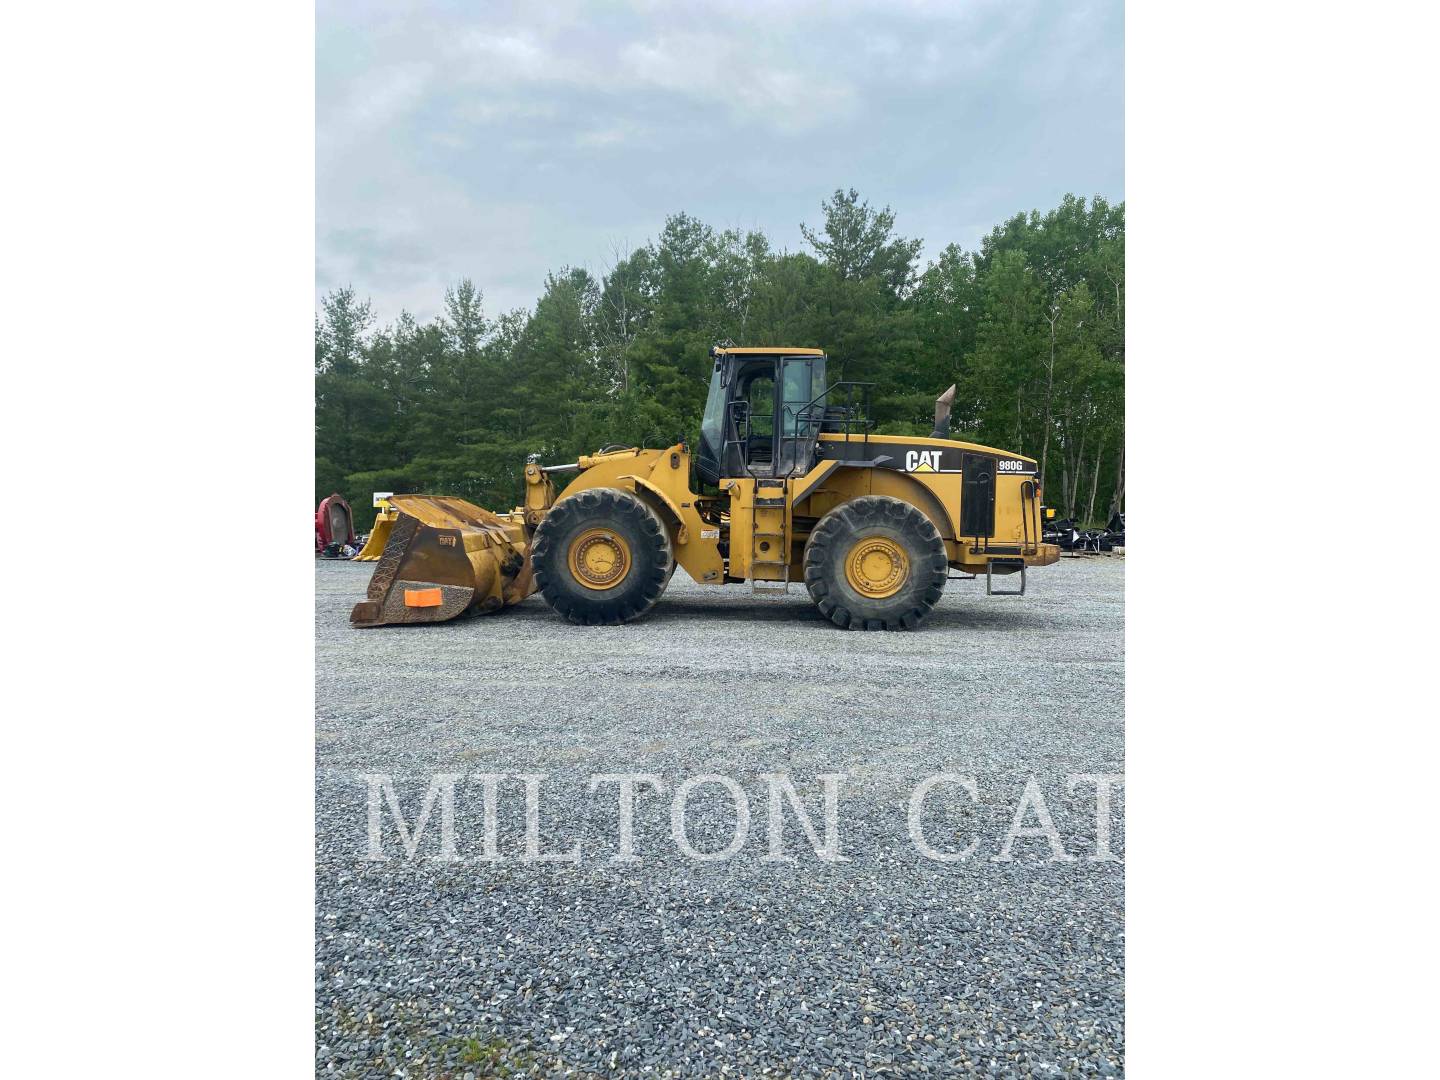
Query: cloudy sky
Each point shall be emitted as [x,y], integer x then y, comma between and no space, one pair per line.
[500,140]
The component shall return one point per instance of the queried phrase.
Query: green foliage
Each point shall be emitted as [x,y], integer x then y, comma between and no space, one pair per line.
[1030,328]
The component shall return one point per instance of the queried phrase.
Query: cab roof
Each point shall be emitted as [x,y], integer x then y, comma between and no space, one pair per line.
[765,350]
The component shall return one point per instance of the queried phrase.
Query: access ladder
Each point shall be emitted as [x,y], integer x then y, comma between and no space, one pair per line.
[770,537]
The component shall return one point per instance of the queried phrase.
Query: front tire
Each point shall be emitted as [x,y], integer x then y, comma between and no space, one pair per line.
[875,563]
[601,557]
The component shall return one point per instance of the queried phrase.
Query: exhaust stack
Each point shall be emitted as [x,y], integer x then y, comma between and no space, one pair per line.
[942,414]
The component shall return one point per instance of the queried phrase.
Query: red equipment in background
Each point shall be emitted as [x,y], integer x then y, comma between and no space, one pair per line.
[334,523]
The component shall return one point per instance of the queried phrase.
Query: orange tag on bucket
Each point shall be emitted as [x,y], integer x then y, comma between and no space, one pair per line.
[422,597]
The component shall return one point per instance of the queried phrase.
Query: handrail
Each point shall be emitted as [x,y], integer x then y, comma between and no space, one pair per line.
[739,416]
[834,386]
[806,410]
[808,406]
[807,414]
[1027,500]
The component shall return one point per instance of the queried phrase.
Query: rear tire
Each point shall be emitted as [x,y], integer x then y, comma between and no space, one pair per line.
[875,563]
[601,557]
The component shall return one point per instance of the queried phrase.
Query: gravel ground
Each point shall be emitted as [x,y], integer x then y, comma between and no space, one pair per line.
[888,963]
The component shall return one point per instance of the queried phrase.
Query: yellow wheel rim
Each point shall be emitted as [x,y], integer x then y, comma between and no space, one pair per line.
[599,559]
[876,567]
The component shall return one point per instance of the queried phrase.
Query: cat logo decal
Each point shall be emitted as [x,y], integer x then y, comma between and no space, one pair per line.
[922,461]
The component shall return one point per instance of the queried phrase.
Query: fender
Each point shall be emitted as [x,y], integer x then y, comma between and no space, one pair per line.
[671,511]
[920,494]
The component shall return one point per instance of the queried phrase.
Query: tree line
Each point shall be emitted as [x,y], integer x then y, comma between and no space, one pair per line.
[1030,328]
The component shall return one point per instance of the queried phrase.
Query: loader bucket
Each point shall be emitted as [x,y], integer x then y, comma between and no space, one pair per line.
[379,536]
[445,557]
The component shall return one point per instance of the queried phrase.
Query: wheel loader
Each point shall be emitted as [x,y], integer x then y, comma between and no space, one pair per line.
[786,485]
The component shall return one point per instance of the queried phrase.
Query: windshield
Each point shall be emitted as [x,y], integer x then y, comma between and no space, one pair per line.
[714,412]
[712,433]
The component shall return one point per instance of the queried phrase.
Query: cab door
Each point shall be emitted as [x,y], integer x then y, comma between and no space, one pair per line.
[799,414]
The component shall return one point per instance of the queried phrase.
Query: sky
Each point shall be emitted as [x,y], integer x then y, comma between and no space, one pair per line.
[500,141]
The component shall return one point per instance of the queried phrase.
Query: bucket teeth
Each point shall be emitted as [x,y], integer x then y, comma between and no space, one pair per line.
[445,557]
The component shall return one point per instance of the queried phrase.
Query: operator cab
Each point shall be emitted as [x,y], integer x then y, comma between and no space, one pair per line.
[765,409]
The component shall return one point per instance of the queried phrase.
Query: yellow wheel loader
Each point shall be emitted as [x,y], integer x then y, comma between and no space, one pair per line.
[787,485]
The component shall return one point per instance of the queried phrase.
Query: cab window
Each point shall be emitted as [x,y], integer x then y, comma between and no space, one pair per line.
[761,396]
[796,384]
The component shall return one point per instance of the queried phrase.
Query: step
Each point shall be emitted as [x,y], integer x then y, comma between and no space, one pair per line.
[761,585]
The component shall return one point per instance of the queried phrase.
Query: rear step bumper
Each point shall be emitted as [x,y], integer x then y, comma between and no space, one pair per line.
[975,558]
